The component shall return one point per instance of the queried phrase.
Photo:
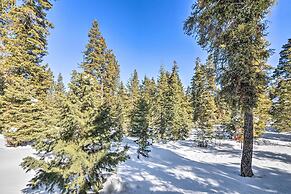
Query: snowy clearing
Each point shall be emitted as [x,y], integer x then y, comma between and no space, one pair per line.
[181,167]
[12,177]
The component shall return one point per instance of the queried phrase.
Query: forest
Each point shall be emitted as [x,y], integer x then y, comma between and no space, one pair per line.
[81,132]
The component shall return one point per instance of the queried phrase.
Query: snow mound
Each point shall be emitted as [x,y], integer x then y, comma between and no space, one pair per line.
[114,184]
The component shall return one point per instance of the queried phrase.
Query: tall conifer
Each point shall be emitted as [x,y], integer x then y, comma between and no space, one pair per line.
[142,120]
[178,119]
[27,81]
[163,105]
[281,108]
[235,34]
[203,100]
[134,94]
[85,149]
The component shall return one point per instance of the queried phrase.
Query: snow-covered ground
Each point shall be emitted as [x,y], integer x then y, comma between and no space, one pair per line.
[181,167]
[12,177]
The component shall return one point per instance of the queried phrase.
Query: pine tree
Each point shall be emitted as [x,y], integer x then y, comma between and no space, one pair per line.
[134,94]
[281,108]
[235,34]
[59,85]
[188,100]
[223,108]
[203,100]
[123,107]
[85,148]
[27,82]
[95,57]
[133,87]
[5,8]
[163,105]
[111,76]
[262,114]
[142,118]
[211,91]
[149,93]
[178,118]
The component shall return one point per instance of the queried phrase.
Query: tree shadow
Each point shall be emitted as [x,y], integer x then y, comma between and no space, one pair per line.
[266,155]
[277,136]
[167,172]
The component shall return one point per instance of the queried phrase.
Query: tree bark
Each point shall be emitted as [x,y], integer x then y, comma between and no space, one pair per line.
[247,153]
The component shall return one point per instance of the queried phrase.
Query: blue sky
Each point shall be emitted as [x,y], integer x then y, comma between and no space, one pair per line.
[143,34]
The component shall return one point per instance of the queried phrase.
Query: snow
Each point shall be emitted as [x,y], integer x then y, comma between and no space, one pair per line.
[12,177]
[181,167]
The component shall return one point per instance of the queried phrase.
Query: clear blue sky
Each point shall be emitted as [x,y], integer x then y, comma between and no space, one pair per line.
[142,33]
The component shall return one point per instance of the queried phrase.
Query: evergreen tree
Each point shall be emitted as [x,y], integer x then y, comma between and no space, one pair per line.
[203,100]
[123,107]
[133,88]
[111,78]
[149,93]
[27,82]
[134,94]
[142,118]
[223,108]
[95,58]
[179,119]
[85,147]
[262,114]
[281,108]
[210,92]
[188,101]
[235,34]
[163,105]
[59,85]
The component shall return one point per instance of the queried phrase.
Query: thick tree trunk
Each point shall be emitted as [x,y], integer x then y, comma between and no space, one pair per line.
[247,153]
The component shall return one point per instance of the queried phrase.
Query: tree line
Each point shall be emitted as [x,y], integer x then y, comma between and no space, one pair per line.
[77,132]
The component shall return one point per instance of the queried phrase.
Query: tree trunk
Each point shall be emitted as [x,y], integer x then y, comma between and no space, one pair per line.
[247,153]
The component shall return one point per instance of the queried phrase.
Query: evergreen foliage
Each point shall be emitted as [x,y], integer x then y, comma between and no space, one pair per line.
[262,114]
[234,32]
[134,94]
[85,146]
[163,105]
[123,107]
[24,105]
[77,131]
[179,119]
[223,109]
[59,86]
[281,108]
[142,118]
[203,90]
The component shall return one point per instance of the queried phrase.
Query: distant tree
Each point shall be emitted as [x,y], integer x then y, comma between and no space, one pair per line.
[203,100]
[142,118]
[223,108]
[59,85]
[262,114]
[281,108]
[179,120]
[163,105]
[149,91]
[134,94]
[234,32]
[123,107]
